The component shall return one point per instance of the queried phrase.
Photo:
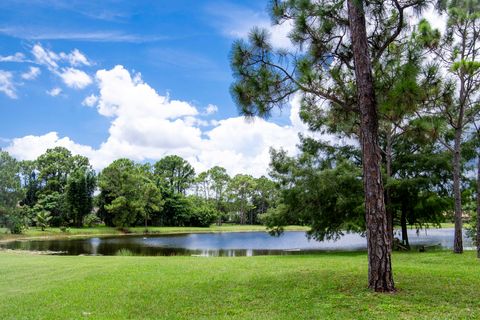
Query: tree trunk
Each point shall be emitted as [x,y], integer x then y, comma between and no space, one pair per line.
[478,208]
[388,156]
[403,222]
[458,241]
[380,277]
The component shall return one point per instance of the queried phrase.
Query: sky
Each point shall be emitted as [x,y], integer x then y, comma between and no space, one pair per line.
[136,79]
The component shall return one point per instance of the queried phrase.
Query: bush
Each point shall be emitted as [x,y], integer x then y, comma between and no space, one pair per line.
[15,221]
[91,220]
[202,214]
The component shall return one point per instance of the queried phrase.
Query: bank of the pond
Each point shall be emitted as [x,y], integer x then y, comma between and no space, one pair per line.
[432,285]
[52,233]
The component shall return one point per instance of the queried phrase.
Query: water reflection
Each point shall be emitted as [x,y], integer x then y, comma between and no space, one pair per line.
[221,244]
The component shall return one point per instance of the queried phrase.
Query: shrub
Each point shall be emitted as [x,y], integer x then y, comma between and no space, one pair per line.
[91,220]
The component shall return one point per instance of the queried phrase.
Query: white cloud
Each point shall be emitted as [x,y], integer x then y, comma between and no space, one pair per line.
[211,109]
[90,101]
[30,147]
[120,95]
[147,126]
[31,74]
[96,36]
[76,58]
[6,84]
[72,77]
[54,92]
[17,57]
[75,78]
[45,57]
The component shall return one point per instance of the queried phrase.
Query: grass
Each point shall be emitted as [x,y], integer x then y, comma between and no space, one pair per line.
[102,230]
[432,285]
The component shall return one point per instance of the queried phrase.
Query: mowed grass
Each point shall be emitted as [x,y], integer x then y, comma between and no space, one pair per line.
[102,230]
[432,285]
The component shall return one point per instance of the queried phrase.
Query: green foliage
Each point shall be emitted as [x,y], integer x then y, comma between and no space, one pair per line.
[42,219]
[321,193]
[203,212]
[127,194]
[174,173]
[241,190]
[91,220]
[79,194]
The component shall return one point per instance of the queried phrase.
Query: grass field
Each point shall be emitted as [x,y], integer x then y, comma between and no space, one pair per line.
[432,285]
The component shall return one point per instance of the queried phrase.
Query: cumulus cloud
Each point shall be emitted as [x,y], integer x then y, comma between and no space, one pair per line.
[31,74]
[54,92]
[17,57]
[211,109]
[30,147]
[90,101]
[72,77]
[146,126]
[76,58]
[75,78]
[6,84]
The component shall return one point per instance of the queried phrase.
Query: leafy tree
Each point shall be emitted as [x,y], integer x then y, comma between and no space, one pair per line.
[322,192]
[127,194]
[458,57]
[42,218]
[241,190]
[212,184]
[10,184]
[203,212]
[54,204]
[79,194]
[264,198]
[30,182]
[175,172]
[333,64]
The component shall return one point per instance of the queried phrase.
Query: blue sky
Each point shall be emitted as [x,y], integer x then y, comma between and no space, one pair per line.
[132,58]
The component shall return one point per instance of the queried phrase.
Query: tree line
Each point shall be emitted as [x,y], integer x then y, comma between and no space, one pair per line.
[62,190]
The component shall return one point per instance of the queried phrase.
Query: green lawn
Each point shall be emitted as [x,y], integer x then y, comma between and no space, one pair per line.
[432,285]
[75,232]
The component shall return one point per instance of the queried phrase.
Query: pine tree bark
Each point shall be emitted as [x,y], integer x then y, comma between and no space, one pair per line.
[388,201]
[380,277]
[458,238]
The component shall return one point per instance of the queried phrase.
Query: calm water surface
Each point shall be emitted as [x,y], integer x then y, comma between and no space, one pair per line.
[221,244]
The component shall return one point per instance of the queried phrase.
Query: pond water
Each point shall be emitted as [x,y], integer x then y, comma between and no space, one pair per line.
[221,244]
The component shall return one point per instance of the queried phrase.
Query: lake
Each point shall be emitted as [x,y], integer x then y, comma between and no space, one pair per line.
[221,244]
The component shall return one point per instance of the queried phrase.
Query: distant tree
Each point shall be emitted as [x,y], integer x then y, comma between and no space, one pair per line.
[10,184]
[79,194]
[42,219]
[10,192]
[30,182]
[458,57]
[264,197]
[128,194]
[50,205]
[175,172]
[241,190]
[203,212]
